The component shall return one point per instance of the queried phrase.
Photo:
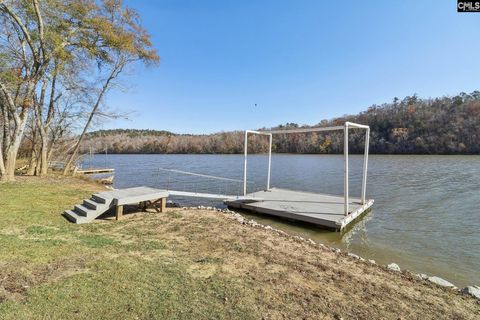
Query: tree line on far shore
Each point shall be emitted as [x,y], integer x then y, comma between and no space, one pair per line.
[445,125]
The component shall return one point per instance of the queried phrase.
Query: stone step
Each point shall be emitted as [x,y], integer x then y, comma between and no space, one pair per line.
[92,204]
[98,198]
[84,211]
[88,211]
[75,218]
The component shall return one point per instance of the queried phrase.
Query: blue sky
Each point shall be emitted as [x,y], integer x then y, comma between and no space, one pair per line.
[299,61]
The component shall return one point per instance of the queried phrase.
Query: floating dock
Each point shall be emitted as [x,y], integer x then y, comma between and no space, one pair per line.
[94,170]
[321,209]
[332,212]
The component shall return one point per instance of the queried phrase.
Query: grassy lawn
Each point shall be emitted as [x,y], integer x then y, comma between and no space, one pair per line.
[50,268]
[185,265]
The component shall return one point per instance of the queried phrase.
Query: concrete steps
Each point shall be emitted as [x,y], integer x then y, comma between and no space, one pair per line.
[89,210]
[99,203]
[75,218]
[91,204]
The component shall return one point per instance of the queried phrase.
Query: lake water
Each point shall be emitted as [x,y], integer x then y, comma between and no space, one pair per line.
[426,215]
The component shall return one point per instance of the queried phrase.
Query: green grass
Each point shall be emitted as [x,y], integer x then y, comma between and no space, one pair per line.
[128,289]
[53,269]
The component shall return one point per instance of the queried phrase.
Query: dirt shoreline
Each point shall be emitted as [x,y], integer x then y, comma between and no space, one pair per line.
[354,287]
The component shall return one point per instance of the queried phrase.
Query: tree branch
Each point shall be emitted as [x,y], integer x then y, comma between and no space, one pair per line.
[10,103]
[7,10]
[53,100]
[40,28]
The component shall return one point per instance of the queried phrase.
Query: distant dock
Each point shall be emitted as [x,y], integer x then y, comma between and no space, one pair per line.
[94,171]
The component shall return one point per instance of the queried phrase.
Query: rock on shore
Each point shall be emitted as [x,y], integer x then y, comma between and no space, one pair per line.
[394,267]
[474,291]
[441,282]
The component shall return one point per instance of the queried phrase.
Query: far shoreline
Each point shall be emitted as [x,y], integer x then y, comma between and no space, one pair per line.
[300,154]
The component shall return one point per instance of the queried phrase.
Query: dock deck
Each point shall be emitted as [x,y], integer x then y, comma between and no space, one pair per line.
[320,209]
[94,170]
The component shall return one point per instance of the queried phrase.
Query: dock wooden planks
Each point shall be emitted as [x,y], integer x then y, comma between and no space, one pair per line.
[320,209]
[94,171]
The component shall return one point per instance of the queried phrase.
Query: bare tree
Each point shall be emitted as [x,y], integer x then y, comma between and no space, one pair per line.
[41,46]
[23,67]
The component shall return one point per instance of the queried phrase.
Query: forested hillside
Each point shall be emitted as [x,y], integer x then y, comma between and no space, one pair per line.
[131,133]
[446,125]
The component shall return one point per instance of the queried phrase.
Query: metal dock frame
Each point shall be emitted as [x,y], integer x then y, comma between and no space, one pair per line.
[345,129]
[245,149]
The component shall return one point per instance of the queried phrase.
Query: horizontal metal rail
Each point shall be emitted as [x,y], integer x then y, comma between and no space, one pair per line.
[211,195]
[199,175]
[265,133]
[356,125]
[307,130]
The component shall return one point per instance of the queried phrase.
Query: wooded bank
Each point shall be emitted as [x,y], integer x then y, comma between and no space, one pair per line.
[445,125]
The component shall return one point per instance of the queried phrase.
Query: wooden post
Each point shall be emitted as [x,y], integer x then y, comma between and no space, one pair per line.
[163,204]
[118,212]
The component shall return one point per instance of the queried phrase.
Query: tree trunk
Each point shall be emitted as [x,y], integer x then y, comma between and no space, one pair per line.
[43,157]
[14,138]
[12,150]
[114,73]
[68,165]
[38,164]
[2,164]
[32,164]
[42,162]
[10,161]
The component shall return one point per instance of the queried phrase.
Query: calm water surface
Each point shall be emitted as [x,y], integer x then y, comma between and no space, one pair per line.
[426,215]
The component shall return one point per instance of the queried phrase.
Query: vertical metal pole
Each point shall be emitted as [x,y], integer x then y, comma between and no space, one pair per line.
[365,165]
[90,158]
[269,161]
[345,159]
[245,165]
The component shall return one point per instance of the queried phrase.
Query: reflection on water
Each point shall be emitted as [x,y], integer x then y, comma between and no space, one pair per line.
[425,217]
